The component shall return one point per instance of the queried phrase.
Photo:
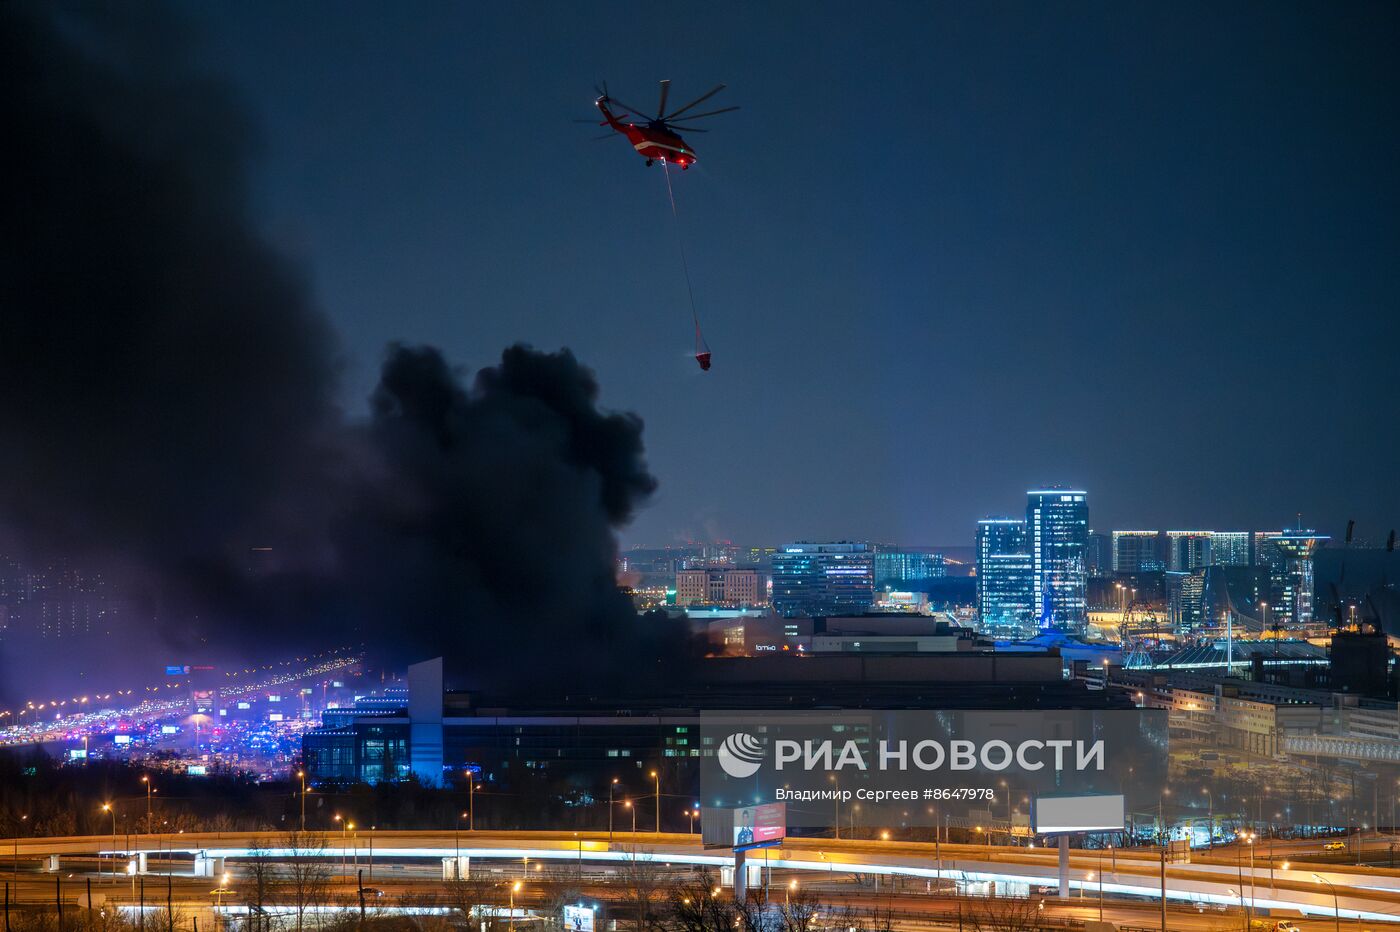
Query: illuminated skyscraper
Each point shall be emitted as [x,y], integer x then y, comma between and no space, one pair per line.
[1292,584]
[1229,548]
[1139,552]
[1057,528]
[1188,550]
[823,579]
[1005,596]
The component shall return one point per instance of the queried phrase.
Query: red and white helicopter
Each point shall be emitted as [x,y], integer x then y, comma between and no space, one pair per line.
[656,139]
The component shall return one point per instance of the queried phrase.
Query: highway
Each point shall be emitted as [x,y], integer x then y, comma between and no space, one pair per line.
[1371,894]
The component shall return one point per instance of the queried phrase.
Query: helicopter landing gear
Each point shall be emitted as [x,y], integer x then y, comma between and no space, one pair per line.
[649,162]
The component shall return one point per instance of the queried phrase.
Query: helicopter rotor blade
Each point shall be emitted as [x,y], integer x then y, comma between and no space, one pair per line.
[688,129]
[665,92]
[638,111]
[710,113]
[700,99]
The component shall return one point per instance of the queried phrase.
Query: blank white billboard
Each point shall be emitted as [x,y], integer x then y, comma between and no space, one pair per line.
[1078,814]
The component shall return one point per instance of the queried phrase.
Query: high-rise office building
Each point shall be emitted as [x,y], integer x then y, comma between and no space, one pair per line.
[1188,550]
[1262,549]
[823,579]
[1229,548]
[1057,528]
[1005,582]
[1098,555]
[1186,603]
[1292,583]
[1139,552]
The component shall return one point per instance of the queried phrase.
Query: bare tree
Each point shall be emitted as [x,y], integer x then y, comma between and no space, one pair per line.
[260,886]
[1005,914]
[309,879]
[799,911]
[698,905]
[472,899]
[643,891]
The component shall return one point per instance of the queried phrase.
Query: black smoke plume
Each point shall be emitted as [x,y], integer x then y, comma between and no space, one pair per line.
[168,411]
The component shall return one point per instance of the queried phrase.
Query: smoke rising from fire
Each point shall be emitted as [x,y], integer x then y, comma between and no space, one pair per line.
[170,405]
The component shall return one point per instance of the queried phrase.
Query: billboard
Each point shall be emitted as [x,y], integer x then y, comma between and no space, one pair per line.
[578,919]
[757,826]
[1059,814]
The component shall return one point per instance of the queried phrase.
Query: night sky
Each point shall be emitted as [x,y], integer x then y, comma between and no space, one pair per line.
[944,252]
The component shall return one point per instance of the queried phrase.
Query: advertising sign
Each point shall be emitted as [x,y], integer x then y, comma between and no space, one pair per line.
[578,919]
[758,826]
[1059,814]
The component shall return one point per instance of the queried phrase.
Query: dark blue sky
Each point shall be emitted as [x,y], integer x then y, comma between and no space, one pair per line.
[945,252]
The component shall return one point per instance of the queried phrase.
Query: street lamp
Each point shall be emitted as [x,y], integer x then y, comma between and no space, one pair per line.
[514,889]
[691,814]
[301,775]
[1336,911]
[627,804]
[471,801]
[24,819]
[1210,817]
[1247,838]
[656,775]
[107,808]
[146,779]
[612,788]
[457,847]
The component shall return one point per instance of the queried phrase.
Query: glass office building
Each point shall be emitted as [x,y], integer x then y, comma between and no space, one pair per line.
[895,565]
[1229,548]
[1139,552]
[1057,529]
[823,580]
[1005,592]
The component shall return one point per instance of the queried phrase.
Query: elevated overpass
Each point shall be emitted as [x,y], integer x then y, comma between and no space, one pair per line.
[1367,893]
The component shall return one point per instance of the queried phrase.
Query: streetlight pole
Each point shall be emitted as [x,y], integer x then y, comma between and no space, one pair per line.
[146,779]
[1100,885]
[656,775]
[1336,911]
[471,801]
[457,847]
[612,787]
[107,808]
[514,888]
[301,774]
[22,819]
